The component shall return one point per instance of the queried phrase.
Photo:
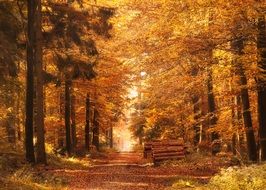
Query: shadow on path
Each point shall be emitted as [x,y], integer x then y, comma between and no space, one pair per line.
[126,171]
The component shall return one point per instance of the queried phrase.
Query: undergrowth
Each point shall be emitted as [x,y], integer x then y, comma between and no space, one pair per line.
[240,178]
[252,177]
[17,174]
[58,161]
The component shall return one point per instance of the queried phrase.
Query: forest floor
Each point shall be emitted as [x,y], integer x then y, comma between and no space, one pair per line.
[129,171]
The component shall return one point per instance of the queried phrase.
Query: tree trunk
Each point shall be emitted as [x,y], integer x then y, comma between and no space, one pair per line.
[240,134]
[10,127]
[234,124]
[96,130]
[211,104]
[140,140]
[67,116]
[251,142]
[261,83]
[87,126]
[197,111]
[238,46]
[60,131]
[197,127]
[40,145]
[111,137]
[18,121]
[30,83]
[73,123]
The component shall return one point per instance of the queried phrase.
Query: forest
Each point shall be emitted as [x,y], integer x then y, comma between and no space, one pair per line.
[133,94]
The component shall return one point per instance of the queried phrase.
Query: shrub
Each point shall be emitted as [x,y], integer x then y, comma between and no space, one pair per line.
[244,178]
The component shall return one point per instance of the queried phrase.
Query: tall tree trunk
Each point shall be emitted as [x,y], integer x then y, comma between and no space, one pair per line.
[240,134]
[29,147]
[261,81]
[211,104]
[40,145]
[18,121]
[111,137]
[238,46]
[67,116]
[197,111]
[60,131]
[140,140]
[87,126]
[96,130]
[10,127]
[251,142]
[73,123]
[234,124]
[197,127]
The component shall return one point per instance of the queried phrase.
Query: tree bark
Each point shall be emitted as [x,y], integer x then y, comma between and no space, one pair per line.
[10,127]
[67,116]
[40,145]
[197,127]
[197,111]
[261,85]
[111,137]
[211,104]
[60,131]
[251,142]
[234,124]
[234,121]
[96,130]
[18,121]
[140,140]
[73,123]
[240,134]
[238,46]
[29,147]
[87,126]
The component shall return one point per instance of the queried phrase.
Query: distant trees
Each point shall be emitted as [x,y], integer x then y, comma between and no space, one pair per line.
[181,41]
[11,86]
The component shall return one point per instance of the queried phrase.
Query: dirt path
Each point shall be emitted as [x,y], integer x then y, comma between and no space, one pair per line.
[128,171]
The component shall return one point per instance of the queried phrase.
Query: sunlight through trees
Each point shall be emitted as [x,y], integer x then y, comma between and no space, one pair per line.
[89,77]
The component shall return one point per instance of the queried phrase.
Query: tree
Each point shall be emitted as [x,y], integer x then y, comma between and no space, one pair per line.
[96,130]
[111,143]
[238,46]
[87,125]
[30,83]
[261,82]
[67,116]
[38,55]
[73,123]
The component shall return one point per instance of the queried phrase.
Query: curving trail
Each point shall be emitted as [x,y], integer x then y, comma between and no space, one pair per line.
[128,171]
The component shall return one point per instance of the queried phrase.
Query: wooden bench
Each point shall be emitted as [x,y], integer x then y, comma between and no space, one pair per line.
[165,150]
